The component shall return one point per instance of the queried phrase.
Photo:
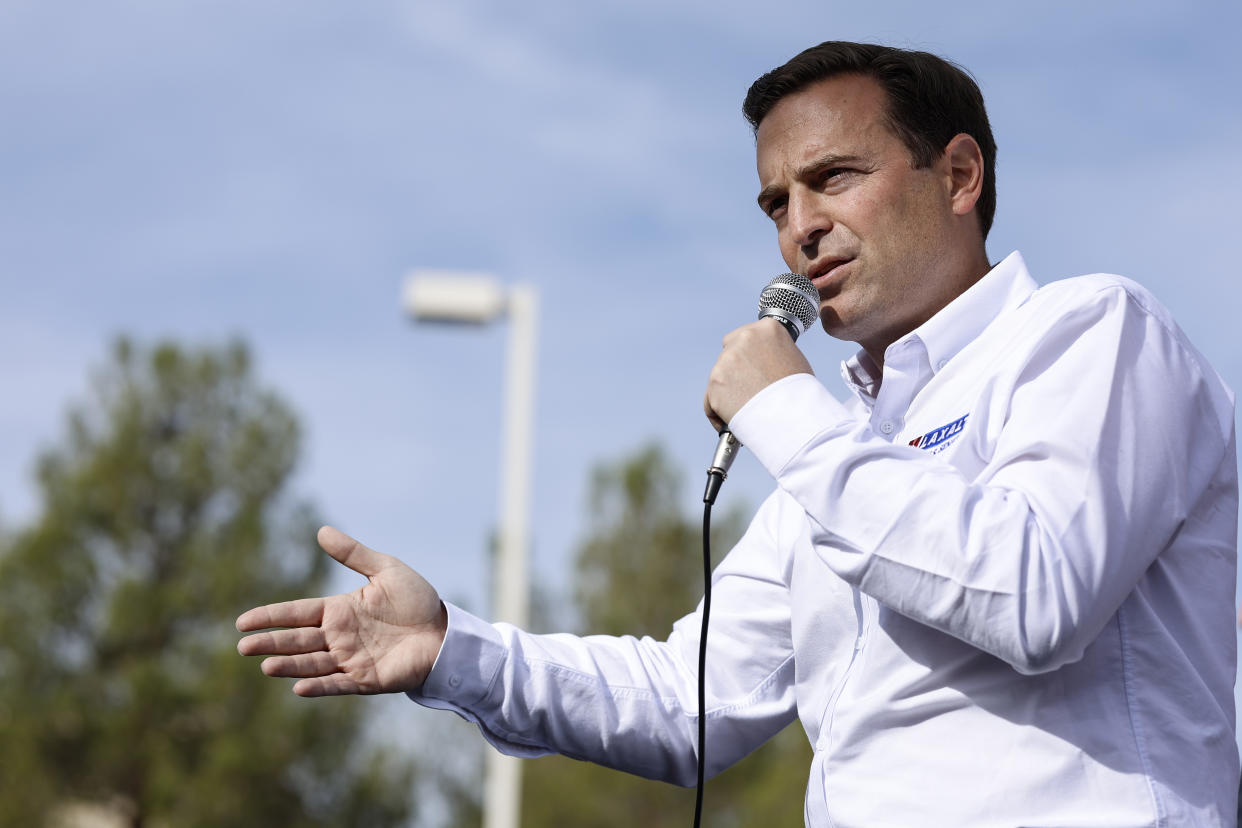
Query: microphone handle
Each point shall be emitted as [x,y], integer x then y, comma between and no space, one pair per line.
[728,446]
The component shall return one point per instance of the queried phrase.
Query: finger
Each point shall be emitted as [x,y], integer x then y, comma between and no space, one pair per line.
[305,665]
[357,556]
[304,612]
[283,642]
[712,417]
[745,331]
[337,684]
[770,326]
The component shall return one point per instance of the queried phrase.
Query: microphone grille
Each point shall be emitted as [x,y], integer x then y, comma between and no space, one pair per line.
[791,298]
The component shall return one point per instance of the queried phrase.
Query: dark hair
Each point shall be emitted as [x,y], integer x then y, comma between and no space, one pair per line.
[929,101]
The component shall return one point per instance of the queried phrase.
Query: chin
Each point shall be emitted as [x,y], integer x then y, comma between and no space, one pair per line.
[832,324]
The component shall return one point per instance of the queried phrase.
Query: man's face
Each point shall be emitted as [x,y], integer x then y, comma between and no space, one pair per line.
[851,212]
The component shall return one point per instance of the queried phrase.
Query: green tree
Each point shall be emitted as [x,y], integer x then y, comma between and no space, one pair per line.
[164,513]
[640,569]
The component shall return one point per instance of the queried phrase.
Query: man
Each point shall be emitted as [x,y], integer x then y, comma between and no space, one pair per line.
[996,587]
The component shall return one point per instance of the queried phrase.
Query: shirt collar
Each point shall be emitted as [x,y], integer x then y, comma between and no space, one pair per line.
[862,376]
[1005,286]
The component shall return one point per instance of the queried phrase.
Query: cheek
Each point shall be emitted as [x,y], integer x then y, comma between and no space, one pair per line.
[893,230]
[789,251]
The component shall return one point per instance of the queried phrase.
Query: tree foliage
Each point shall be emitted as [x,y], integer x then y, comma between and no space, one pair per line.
[165,512]
[638,570]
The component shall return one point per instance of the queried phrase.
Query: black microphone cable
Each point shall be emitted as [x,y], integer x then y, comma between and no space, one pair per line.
[707,609]
[792,300]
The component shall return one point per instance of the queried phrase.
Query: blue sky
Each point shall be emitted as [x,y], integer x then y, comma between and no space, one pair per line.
[271,170]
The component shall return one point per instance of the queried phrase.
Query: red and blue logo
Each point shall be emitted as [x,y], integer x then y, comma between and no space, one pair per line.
[938,437]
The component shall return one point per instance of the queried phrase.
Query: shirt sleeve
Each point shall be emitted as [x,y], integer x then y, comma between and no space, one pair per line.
[1107,432]
[631,703]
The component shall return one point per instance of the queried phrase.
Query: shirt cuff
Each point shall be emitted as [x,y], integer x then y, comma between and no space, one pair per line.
[780,420]
[467,664]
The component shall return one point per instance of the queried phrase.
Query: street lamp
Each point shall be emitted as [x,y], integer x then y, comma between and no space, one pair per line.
[474,298]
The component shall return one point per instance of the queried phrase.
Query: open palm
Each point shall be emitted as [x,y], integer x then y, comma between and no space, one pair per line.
[380,638]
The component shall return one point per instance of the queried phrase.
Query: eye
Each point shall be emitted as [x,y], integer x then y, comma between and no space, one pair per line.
[837,177]
[775,207]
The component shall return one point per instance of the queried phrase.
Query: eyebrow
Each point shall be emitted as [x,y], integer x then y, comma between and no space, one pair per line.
[808,170]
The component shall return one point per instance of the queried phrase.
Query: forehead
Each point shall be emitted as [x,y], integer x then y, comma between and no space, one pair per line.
[843,115]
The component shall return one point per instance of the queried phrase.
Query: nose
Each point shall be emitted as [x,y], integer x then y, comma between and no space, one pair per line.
[808,219]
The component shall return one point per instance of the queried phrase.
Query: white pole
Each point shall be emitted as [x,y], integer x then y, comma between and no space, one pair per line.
[503,787]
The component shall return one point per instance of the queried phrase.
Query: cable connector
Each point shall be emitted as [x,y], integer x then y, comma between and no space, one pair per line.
[726,452]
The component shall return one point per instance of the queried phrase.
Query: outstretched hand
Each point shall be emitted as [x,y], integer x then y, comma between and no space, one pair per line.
[380,638]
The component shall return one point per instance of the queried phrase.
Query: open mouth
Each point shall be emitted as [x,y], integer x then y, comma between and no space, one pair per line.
[824,271]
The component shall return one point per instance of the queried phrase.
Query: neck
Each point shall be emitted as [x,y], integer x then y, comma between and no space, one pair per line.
[967,275]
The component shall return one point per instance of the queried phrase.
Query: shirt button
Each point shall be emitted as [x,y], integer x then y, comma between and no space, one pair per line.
[454,681]
[887,426]
[940,365]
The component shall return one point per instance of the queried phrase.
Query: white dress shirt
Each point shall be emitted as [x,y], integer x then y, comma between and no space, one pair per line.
[998,592]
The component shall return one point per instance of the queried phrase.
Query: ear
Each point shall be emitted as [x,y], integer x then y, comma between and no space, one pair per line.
[965,179]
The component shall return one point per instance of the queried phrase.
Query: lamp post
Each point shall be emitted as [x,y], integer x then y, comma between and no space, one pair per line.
[474,298]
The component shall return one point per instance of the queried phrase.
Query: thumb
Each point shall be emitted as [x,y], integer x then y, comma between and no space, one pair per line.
[357,556]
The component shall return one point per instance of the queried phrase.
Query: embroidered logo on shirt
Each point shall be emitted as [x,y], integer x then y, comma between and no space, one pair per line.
[938,439]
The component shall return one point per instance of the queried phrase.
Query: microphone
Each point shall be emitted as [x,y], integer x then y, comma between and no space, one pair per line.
[792,300]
